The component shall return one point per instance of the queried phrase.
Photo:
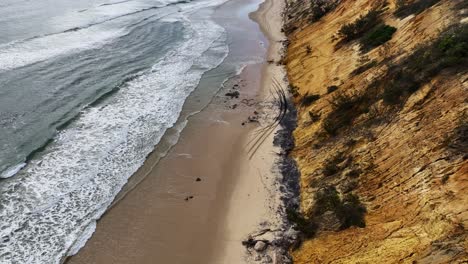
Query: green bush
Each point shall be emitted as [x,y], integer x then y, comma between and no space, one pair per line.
[356,29]
[377,37]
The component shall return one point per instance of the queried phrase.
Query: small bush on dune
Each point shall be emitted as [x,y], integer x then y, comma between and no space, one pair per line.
[377,37]
[308,99]
[405,8]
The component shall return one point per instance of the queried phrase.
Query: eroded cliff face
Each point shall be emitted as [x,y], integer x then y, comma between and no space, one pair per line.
[384,171]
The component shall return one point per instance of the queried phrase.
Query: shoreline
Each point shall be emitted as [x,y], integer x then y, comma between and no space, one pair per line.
[225,189]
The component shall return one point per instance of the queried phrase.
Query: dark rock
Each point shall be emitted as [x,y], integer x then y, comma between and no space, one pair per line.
[234,94]
[250,242]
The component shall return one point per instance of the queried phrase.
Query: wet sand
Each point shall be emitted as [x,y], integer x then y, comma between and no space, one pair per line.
[196,204]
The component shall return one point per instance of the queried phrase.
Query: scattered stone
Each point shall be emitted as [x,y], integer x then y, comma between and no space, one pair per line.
[268,236]
[255,113]
[198,179]
[243,123]
[248,102]
[260,246]
[234,106]
[253,119]
[257,258]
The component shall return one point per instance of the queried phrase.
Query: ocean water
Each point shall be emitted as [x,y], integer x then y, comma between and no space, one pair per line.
[87,89]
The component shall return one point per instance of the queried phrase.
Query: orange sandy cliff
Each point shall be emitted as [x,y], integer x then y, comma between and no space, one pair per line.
[406,162]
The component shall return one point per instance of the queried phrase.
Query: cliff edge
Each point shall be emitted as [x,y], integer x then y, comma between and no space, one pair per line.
[382,135]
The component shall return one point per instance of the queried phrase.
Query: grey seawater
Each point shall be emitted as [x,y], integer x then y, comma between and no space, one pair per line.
[87,89]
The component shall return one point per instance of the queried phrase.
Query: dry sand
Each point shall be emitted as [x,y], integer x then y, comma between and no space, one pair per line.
[154,222]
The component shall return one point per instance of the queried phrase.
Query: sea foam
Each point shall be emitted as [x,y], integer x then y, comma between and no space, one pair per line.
[51,206]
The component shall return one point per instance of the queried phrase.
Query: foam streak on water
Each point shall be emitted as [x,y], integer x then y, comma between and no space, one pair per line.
[49,209]
[75,32]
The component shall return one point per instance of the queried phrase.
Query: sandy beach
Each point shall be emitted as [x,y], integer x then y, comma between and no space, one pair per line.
[214,187]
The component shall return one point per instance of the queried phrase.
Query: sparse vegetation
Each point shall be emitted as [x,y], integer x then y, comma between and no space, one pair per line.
[320,8]
[401,85]
[331,166]
[326,199]
[450,49]
[364,67]
[314,117]
[331,89]
[405,8]
[345,108]
[308,99]
[351,212]
[354,173]
[445,179]
[349,209]
[307,227]
[377,36]
[294,90]
[457,142]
